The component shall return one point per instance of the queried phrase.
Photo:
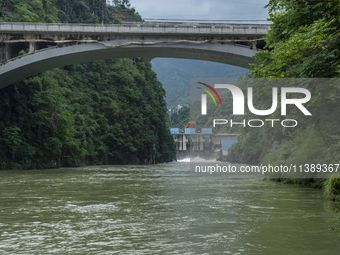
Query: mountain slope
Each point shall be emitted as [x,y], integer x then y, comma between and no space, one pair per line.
[101,112]
[175,76]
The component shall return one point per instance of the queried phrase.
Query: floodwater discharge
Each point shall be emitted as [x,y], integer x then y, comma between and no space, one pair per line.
[158,209]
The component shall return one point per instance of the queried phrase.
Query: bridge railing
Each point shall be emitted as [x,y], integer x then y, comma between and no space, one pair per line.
[141,28]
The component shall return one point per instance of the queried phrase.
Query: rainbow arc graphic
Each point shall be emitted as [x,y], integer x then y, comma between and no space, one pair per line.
[204,97]
[209,93]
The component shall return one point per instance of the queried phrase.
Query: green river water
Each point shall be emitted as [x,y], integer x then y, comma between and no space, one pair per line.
[158,209]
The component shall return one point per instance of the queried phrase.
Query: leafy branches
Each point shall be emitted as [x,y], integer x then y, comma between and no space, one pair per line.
[102,112]
[304,42]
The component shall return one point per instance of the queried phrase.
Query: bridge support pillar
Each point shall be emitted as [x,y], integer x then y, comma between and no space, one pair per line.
[253,45]
[9,51]
[6,52]
[3,53]
[32,47]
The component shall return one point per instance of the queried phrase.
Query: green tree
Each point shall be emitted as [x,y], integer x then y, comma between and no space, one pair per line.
[101,112]
[303,43]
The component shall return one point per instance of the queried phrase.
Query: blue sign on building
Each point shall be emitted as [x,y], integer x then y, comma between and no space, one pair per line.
[206,130]
[190,130]
[174,130]
[226,144]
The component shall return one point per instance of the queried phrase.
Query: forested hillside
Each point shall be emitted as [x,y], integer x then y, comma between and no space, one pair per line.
[175,75]
[102,112]
[303,43]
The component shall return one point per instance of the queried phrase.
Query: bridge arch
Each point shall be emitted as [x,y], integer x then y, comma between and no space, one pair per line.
[39,61]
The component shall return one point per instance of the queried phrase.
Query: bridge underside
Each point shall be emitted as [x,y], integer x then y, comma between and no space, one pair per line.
[39,61]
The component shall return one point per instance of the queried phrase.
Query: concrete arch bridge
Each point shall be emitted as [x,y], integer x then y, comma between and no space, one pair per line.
[48,46]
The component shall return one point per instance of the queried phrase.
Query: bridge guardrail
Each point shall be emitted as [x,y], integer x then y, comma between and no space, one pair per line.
[137,28]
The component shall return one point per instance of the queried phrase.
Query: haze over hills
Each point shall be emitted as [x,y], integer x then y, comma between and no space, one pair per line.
[175,76]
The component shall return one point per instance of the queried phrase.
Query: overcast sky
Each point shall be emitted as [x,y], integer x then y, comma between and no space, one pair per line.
[202,9]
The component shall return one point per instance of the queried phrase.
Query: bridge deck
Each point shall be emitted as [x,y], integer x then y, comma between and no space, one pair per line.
[139,28]
[49,45]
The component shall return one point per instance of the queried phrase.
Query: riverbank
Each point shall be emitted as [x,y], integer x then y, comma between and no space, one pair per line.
[331,191]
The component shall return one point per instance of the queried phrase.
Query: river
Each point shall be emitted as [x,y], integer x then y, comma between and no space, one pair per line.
[158,209]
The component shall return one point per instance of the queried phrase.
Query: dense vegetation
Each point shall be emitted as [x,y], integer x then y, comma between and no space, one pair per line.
[67,11]
[304,42]
[102,112]
[179,117]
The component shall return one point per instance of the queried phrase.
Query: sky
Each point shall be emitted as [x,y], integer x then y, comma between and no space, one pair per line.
[202,9]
